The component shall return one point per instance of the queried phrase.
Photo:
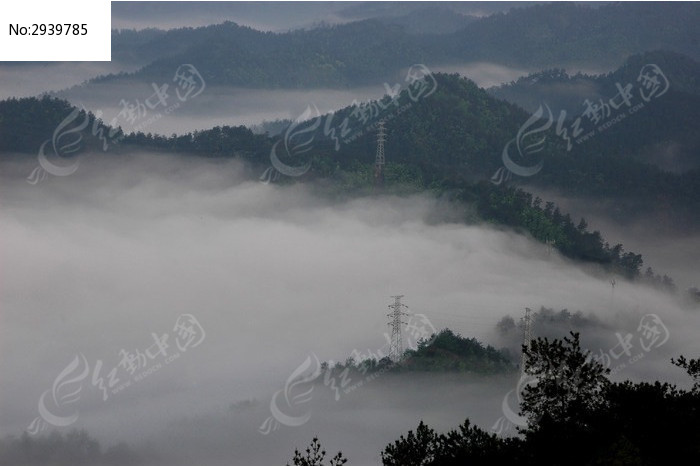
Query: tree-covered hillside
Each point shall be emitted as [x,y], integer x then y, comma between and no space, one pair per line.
[444,351]
[27,122]
[449,139]
[566,33]
[370,51]
[661,133]
[574,416]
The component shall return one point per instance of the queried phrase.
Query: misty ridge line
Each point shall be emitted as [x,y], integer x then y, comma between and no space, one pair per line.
[441,53]
[652,85]
[190,84]
[428,85]
[563,132]
[372,111]
[225,199]
[282,242]
[242,407]
[133,367]
[482,34]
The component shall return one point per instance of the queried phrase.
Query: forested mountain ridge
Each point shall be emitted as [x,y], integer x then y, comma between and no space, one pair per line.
[456,134]
[565,91]
[661,133]
[450,141]
[443,351]
[237,175]
[329,56]
[431,20]
[568,33]
[336,56]
[25,123]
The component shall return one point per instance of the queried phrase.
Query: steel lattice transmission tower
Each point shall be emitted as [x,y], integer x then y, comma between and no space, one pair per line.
[396,351]
[379,159]
[527,337]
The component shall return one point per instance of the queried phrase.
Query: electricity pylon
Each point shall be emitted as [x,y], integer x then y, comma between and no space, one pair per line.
[379,158]
[396,350]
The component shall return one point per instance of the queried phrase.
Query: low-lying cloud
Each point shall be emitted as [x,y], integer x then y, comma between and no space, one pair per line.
[96,262]
[215,106]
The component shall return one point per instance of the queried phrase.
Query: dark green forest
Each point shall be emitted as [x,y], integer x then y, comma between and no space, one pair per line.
[448,143]
[445,351]
[448,138]
[541,35]
[575,416]
[662,134]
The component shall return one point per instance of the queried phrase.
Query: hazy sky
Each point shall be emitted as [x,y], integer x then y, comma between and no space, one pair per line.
[265,16]
[277,16]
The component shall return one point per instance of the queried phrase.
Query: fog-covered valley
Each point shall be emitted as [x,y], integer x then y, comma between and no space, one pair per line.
[103,258]
[171,289]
